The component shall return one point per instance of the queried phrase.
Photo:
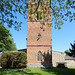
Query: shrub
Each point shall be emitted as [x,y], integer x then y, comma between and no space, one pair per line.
[13,59]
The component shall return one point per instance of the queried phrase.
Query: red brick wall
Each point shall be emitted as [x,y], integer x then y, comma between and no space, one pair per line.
[43,44]
[33,31]
[32,55]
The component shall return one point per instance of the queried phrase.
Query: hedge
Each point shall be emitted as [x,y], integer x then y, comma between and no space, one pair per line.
[13,59]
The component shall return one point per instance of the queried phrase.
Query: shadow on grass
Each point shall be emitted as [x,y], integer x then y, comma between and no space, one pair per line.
[16,72]
[60,71]
[8,72]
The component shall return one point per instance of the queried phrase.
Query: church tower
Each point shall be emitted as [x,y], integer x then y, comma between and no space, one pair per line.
[39,46]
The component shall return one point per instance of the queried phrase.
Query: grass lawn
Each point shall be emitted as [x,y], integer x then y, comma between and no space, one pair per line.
[53,71]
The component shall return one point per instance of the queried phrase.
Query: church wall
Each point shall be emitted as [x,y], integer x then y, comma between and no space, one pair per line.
[33,29]
[36,43]
[70,63]
[43,44]
[59,57]
[32,57]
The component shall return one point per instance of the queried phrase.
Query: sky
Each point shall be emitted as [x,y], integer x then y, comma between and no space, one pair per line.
[61,39]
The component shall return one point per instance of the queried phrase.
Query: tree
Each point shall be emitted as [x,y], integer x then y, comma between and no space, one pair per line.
[71,51]
[59,10]
[6,41]
[8,9]
[13,46]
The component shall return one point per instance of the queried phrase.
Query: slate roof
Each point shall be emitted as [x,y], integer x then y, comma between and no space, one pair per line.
[69,58]
[24,50]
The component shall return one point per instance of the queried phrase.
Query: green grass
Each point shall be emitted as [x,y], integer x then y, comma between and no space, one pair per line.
[53,71]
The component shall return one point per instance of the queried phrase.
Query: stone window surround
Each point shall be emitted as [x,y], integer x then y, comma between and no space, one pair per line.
[37,56]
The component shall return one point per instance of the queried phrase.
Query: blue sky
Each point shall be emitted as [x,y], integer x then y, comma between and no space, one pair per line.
[61,39]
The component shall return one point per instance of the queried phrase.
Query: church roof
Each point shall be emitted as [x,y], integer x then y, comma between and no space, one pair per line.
[69,58]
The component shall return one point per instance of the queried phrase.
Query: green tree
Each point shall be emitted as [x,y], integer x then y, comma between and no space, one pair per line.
[59,10]
[6,41]
[9,9]
[71,51]
[13,46]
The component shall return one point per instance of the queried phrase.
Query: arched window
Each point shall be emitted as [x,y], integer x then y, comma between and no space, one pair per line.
[39,56]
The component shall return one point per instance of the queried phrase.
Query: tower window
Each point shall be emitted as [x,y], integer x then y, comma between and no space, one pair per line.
[39,36]
[39,56]
[39,15]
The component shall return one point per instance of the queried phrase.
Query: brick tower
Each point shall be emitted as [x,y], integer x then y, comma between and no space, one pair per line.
[39,46]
